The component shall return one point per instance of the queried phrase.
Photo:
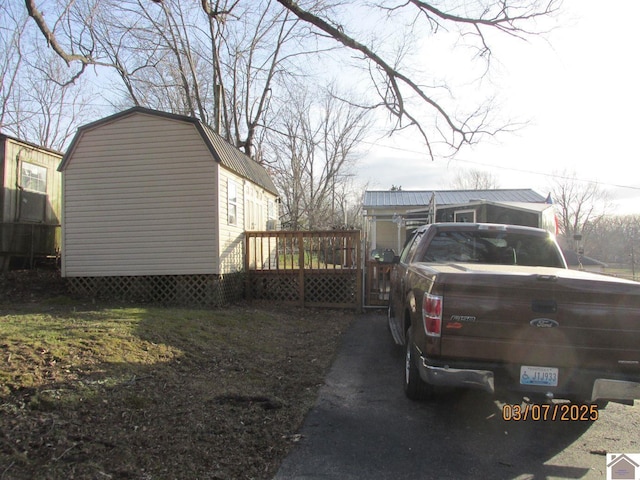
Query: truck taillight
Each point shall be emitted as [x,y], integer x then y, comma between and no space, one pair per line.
[432,314]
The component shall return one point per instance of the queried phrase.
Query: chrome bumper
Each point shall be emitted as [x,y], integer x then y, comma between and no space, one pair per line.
[454,377]
[603,389]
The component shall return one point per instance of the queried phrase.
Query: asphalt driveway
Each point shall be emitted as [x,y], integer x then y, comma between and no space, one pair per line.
[363,427]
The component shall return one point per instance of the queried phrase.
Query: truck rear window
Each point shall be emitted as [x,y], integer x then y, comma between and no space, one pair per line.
[494,248]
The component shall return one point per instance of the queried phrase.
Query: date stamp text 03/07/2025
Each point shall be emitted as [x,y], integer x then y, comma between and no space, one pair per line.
[564,412]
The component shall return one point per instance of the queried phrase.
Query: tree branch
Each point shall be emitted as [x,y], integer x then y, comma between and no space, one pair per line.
[463,132]
[395,77]
[214,12]
[51,38]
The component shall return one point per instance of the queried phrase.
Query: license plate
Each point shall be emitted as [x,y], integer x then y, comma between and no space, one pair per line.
[543,376]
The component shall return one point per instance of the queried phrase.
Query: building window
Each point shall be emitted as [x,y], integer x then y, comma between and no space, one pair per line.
[272,217]
[251,208]
[33,177]
[271,210]
[465,216]
[232,202]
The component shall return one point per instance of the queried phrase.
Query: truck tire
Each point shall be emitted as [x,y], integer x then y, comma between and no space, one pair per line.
[392,325]
[414,387]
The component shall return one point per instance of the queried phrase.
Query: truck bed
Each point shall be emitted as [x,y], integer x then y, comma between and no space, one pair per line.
[539,316]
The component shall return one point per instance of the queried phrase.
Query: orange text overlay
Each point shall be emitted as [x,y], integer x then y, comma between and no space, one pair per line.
[563,412]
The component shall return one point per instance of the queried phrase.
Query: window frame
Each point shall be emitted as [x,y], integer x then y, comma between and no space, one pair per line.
[410,248]
[232,202]
[40,179]
[461,214]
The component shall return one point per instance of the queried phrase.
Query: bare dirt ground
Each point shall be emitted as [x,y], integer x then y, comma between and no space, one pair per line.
[227,406]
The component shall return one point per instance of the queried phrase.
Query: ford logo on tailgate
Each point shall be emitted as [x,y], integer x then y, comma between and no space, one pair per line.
[543,323]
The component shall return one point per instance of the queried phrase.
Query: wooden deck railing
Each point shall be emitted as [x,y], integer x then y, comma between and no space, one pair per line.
[315,268]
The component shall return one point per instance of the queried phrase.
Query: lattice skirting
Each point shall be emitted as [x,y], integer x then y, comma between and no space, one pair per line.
[328,289]
[197,290]
[279,287]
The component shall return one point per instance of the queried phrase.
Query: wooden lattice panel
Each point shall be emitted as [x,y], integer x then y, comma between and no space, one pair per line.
[330,289]
[326,289]
[200,290]
[280,287]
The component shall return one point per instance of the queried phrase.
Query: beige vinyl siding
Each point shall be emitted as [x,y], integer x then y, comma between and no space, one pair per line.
[231,236]
[263,249]
[140,199]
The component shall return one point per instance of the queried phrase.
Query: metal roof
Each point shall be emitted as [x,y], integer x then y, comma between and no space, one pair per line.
[236,161]
[4,136]
[416,198]
[222,151]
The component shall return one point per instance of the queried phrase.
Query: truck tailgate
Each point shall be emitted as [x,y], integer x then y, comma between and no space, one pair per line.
[540,316]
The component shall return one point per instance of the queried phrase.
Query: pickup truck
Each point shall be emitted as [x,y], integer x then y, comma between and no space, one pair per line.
[494,307]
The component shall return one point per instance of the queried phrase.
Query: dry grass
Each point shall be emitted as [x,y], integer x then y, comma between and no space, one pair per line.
[109,391]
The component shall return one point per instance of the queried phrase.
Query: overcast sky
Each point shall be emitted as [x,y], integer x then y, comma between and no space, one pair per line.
[580,91]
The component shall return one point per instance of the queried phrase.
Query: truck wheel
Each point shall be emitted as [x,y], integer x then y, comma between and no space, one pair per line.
[414,387]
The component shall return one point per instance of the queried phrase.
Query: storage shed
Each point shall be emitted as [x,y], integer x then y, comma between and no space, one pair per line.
[391,216]
[157,204]
[29,203]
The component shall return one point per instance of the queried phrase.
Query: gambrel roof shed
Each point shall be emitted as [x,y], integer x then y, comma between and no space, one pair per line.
[154,193]
[221,150]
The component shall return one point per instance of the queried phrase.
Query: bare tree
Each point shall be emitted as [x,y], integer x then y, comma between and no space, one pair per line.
[314,148]
[259,65]
[474,179]
[580,205]
[615,239]
[347,204]
[172,57]
[11,61]
[56,109]
[37,102]
[392,79]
